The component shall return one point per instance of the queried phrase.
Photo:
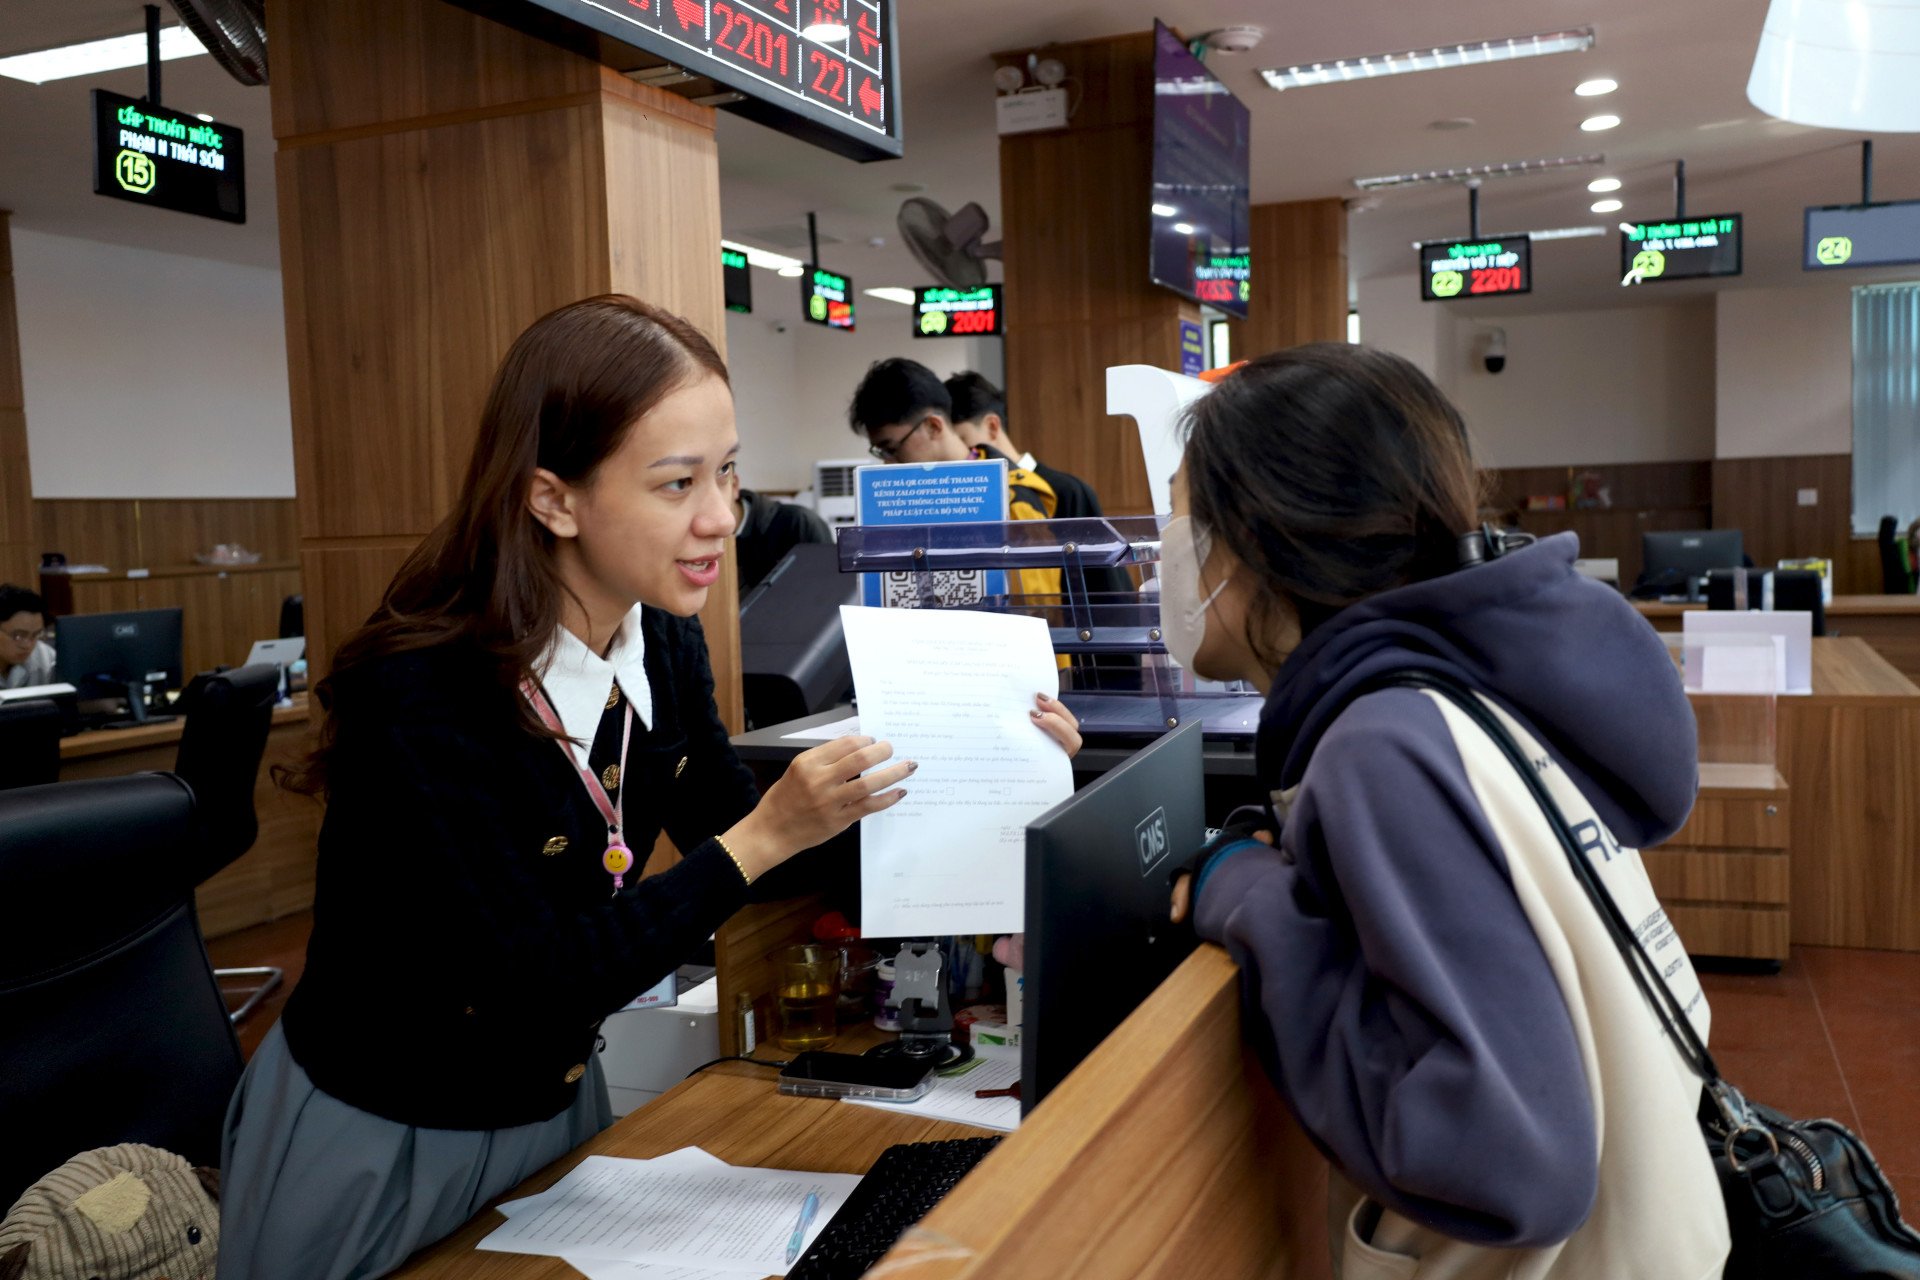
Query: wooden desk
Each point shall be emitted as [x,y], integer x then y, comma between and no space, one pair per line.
[275,877]
[1165,1154]
[1891,624]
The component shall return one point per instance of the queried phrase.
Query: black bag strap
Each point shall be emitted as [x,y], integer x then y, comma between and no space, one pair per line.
[1666,1005]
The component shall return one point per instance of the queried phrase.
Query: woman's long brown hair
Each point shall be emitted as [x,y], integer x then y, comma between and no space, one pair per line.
[563,398]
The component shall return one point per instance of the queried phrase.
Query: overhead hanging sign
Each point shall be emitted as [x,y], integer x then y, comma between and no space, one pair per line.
[940,312]
[168,159]
[839,93]
[826,298]
[1861,235]
[1681,249]
[1481,268]
[736,279]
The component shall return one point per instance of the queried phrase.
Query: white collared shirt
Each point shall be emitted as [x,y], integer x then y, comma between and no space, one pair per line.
[577,680]
[36,670]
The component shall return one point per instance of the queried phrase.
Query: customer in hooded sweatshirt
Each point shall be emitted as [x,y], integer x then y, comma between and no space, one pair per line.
[1442,1007]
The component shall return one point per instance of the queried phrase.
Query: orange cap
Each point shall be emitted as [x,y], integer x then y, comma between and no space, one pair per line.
[1215,375]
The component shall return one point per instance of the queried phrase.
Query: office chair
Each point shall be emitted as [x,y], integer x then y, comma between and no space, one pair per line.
[114,1029]
[228,716]
[1893,566]
[29,744]
[293,617]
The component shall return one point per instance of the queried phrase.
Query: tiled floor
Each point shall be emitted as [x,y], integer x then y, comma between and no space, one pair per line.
[1834,1033]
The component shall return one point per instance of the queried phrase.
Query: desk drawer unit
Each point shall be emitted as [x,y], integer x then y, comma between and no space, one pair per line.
[1725,878]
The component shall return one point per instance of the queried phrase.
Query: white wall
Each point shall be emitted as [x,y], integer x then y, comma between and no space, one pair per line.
[151,375]
[1393,318]
[1785,371]
[790,390]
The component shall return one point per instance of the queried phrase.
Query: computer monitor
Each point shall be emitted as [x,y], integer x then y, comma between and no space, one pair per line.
[1675,561]
[120,654]
[793,656]
[1098,938]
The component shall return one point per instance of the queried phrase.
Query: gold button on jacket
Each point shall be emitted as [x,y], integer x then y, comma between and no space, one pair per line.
[610,777]
[575,1071]
[680,768]
[554,845]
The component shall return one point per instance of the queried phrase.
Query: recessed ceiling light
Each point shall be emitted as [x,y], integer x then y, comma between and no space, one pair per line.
[1600,186]
[1504,169]
[826,32]
[792,271]
[1594,124]
[1434,59]
[1595,88]
[1164,211]
[1184,228]
[112,54]
[1606,206]
[888,293]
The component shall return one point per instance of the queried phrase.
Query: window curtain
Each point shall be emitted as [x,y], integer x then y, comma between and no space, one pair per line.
[1886,405]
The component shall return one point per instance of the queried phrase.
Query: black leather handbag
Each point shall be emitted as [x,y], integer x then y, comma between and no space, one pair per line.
[1805,1198]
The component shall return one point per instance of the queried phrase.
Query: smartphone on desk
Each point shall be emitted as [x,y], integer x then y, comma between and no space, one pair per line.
[815,1074]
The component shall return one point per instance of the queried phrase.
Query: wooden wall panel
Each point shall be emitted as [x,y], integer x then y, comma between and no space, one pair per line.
[1758,497]
[1299,277]
[18,556]
[153,533]
[1646,496]
[222,614]
[343,584]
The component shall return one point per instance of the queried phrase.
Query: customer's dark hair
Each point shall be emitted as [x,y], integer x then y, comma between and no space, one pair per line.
[1334,472]
[15,599]
[974,397]
[896,390]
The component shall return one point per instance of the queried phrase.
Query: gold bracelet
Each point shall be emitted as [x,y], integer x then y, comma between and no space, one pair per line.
[738,865]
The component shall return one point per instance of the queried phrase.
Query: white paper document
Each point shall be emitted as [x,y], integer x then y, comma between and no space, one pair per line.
[678,1211]
[954,690]
[607,1269]
[824,732]
[952,1096]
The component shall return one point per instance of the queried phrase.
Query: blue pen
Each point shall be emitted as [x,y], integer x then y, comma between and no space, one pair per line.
[808,1208]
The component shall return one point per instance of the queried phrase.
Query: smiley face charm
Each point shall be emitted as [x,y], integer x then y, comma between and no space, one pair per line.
[618,860]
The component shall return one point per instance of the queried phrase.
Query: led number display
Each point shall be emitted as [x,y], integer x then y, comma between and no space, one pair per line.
[736,279]
[1683,249]
[957,313]
[1475,268]
[826,298]
[1861,235]
[168,159]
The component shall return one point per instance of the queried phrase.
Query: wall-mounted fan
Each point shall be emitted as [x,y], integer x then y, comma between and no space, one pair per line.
[234,32]
[948,245]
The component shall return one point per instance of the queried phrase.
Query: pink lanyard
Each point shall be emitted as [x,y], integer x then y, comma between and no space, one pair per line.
[618,859]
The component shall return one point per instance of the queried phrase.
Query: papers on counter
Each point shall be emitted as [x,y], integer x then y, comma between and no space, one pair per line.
[687,1212]
[954,690]
[824,732]
[951,1097]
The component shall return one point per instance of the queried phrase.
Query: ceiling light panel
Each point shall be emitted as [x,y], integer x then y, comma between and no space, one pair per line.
[1504,169]
[1600,186]
[1598,124]
[888,293]
[113,54]
[1595,88]
[1374,65]
[1546,233]
[761,258]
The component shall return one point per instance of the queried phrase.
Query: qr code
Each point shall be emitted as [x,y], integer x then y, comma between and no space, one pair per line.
[951,588]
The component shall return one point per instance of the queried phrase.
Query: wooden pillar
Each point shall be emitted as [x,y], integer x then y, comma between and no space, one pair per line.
[1299,277]
[1074,212]
[443,181]
[19,560]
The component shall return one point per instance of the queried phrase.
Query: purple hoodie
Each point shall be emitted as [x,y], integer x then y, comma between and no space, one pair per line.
[1398,994]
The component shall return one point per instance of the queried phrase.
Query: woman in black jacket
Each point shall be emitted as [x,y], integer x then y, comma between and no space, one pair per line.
[527,710]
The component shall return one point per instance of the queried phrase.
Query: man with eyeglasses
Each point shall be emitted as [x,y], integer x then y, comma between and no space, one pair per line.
[25,657]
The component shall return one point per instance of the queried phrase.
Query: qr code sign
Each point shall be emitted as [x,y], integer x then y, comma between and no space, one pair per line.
[951,588]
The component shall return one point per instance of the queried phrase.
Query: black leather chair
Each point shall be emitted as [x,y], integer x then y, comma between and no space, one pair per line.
[224,736]
[112,1028]
[1893,568]
[293,617]
[29,743]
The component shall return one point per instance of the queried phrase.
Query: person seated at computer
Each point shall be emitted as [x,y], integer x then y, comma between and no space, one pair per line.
[530,705]
[980,420]
[1444,1010]
[767,529]
[906,415]
[25,657]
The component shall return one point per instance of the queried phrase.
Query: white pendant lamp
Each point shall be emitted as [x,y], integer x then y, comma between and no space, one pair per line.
[1840,64]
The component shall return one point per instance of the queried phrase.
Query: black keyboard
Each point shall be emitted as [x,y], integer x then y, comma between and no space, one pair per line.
[901,1188]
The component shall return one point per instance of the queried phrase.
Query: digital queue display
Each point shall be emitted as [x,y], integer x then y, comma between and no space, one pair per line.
[1682,249]
[826,298]
[1482,268]
[1225,280]
[1861,235]
[958,313]
[737,280]
[841,94]
[168,159]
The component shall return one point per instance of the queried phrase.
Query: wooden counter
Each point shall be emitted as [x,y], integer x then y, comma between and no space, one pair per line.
[271,880]
[1891,624]
[223,608]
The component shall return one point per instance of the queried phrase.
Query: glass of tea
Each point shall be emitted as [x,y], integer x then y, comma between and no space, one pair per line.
[807,979]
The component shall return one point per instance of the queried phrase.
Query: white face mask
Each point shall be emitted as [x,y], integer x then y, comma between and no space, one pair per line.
[1184,547]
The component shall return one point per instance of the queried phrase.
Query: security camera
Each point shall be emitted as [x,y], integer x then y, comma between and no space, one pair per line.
[1494,354]
[778,326]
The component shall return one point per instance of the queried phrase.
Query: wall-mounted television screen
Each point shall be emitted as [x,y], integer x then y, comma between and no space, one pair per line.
[1201,162]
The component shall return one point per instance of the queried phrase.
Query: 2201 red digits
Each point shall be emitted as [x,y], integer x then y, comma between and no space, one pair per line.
[749,39]
[1496,280]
